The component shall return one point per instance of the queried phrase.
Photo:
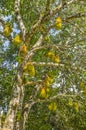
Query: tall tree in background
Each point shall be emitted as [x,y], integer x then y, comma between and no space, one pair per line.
[42,67]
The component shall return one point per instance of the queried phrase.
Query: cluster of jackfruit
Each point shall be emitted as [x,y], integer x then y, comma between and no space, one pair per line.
[52,106]
[58,23]
[47,81]
[7,30]
[29,68]
[45,90]
[73,104]
[23,49]
[17,40]
[53,57]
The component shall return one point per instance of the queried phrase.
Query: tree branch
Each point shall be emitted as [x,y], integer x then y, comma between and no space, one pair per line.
[19,18]
[33,83]
[78,15]
[57,96]
[47,64]
[37,44]
[29,104]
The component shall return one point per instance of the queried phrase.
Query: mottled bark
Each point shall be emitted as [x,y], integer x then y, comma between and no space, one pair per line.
[15,103]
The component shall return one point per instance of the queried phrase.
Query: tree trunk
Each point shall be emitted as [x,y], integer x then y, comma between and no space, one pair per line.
[15,103]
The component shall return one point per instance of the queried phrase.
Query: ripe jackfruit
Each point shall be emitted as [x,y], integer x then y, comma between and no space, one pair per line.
[7,30]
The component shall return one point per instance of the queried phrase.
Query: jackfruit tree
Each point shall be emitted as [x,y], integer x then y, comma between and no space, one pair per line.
[43,65]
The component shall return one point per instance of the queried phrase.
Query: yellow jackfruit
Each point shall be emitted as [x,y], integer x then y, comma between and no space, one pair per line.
[58,23]
[7,30]
[48,78]
[47,81]
[25,68]
[43,93]
[70,102]
[47,39]
[52,106]
[29,68]
[50,54]
[23,49]
[47,89]
[32,71]
[53,57]
[76,106]
[56,59]
[17,40]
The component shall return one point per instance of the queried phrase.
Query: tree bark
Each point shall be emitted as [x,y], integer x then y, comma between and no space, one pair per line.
[15,103]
